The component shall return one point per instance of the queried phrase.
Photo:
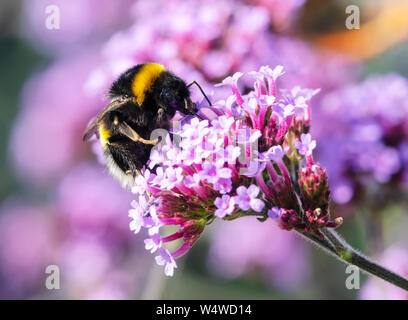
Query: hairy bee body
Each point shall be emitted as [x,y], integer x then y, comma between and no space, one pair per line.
[143,98]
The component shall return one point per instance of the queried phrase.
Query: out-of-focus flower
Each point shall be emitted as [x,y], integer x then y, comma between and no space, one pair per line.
[236,37]
[396,259]
[91,258]
[80,22]
[88,198]
[87,260]
[238,247]
[46,137]
[187,194]
[367,143]
[27,243]
[367,42]
[281,12]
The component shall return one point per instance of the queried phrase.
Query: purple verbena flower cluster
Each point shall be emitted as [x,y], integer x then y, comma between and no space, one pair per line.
[239,157]
[367,145]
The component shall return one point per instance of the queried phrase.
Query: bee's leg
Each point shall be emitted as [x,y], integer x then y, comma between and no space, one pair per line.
[160,114]
[110,107]
[130,173]
[127,131]
[133,172]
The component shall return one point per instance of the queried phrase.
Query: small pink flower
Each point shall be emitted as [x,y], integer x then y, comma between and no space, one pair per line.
[225,205]
[271,73]
[142,182]
[274,153]
[232,81]
[284,110]
[153,243]
[138,213]
[212,173]
[173,177]
[222,124]
[223,185]
[193,133]
[275,213]
[306,145]
[248,198]
[165,259]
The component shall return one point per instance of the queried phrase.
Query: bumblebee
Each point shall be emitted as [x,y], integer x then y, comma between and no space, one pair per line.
[143,98]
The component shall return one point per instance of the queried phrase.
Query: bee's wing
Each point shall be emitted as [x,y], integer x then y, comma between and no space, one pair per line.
[93,127]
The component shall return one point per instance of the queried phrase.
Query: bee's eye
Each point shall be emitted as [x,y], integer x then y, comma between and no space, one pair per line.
[166,94]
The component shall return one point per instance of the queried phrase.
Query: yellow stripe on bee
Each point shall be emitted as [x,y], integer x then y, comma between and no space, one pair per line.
[104,135]
[144,79]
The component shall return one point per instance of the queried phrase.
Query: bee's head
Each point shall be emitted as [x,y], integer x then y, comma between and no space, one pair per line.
[151,83]
[173,95]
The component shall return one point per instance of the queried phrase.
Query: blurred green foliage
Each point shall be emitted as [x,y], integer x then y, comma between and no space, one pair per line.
[17,61]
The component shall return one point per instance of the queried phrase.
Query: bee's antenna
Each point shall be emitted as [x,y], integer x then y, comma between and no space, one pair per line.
[202,91]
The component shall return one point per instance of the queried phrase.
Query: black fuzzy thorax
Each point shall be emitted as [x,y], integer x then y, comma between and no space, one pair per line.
[123,85]
[166,92]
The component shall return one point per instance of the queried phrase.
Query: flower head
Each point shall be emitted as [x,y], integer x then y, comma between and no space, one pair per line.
[367,145]
[314,187]
[227,166]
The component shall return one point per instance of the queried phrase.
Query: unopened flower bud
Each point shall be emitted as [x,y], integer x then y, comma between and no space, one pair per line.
[314,187]
[290,220]
[192,230]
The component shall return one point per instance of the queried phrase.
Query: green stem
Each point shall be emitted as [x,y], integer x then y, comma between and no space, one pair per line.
[323,244]
[240,214]
[371,267]
[348,254]
[333,244]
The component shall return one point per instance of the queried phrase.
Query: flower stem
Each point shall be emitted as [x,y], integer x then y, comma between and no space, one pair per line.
[323,244]
[335,245]
[371,267]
